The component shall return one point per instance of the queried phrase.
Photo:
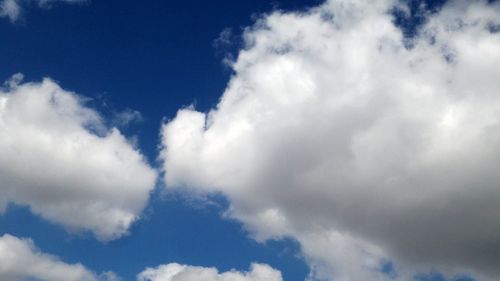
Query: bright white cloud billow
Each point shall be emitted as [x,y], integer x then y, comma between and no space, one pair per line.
[59,159]
[178,272]
[12,9]
[21,260]
[335,132]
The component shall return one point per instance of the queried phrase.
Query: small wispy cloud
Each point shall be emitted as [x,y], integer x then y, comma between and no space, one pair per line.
[127,117]
[10,9]
[13,9]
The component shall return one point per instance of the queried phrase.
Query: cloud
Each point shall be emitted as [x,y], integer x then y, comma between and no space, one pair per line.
[60,160]
[21,260]
[178,272]
[10,9]
[127,117]
[336,133]
[13,9]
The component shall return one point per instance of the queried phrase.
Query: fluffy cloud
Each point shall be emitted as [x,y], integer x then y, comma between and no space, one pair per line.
[12,9]
[60,160]
[178,272]
[335,132]
[21,260]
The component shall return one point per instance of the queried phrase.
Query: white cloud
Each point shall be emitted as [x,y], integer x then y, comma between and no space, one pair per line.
[178,272]
[13,9]
[60,160]
[333,132]
[21,260]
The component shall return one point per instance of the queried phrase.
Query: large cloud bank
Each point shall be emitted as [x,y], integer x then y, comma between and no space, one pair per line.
[335,132]
[59,159]
[178,272]
[21,260]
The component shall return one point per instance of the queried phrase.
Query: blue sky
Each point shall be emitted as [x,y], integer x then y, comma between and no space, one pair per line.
[317,138]
[102,49]
[153,58]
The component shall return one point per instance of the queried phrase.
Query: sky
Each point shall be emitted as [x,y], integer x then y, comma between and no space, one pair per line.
[249,140]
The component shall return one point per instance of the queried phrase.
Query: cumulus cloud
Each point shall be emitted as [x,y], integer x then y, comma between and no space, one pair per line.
[21,260]
[335,132]
[12,9]
[62,162]
[178,272]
